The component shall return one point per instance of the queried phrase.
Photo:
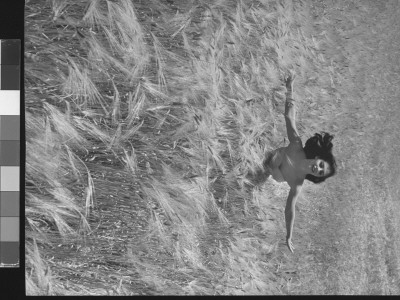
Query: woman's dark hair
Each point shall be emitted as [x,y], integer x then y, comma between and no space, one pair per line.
[320,145]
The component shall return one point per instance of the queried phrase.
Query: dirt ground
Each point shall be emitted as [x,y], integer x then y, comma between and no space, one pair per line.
[353,232]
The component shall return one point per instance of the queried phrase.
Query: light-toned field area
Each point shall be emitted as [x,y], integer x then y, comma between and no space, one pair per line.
[143,119]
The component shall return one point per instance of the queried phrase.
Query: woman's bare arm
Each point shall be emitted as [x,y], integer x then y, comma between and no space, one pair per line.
[290,111]
[290,213]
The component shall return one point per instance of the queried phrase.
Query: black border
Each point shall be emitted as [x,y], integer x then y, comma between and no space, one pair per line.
[12,27]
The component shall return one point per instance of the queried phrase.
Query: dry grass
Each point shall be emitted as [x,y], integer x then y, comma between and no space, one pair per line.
[232,78]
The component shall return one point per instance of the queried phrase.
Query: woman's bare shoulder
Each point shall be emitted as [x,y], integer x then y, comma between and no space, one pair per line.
[295,146]
[296,185]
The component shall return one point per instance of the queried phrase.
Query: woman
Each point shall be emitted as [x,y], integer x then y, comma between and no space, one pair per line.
[294,163]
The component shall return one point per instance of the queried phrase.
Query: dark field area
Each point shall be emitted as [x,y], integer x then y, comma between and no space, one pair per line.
[143,119]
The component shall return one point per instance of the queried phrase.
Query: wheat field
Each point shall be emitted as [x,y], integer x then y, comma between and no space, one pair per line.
[144,119]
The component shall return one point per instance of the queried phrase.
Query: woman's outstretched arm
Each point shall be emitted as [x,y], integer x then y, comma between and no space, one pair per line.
[290,111]
[290,213]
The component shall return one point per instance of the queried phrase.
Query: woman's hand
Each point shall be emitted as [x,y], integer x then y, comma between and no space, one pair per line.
[289,80]
[290,244]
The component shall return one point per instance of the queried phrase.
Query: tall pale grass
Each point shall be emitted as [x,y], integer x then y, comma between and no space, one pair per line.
[206,100]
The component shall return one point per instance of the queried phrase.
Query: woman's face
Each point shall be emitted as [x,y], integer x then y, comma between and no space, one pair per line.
[320,168]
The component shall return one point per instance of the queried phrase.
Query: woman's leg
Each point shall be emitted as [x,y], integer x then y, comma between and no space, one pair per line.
[261,174]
